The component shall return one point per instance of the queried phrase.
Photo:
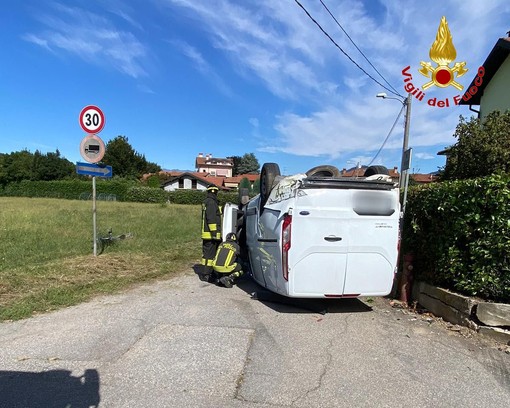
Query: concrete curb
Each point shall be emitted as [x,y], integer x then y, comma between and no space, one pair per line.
[489,319]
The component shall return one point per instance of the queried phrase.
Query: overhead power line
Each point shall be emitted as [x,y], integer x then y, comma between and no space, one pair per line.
[353,43]
[347,55]
[387,137]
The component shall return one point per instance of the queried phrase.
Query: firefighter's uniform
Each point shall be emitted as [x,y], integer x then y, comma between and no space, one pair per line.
[211,231]
[226,262]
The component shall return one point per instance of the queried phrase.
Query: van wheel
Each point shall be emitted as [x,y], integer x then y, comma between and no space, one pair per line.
[370,171]
[324,171]
[267,177]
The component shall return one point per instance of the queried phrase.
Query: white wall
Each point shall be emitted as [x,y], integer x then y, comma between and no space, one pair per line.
[496,95]
[187,185]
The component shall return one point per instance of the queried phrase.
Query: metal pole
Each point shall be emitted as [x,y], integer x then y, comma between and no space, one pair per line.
[406,185]
[406,139]
[94,213]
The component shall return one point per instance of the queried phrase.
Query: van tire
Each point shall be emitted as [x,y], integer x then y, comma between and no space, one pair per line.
[268,175]
[324,171]
[370,171]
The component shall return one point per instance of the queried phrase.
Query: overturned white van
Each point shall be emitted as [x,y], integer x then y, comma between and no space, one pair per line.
[320,235]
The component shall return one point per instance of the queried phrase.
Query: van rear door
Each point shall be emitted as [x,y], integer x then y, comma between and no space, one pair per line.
[344,240]
[319,243]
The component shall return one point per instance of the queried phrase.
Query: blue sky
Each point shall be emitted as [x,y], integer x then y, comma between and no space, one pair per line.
[182,77]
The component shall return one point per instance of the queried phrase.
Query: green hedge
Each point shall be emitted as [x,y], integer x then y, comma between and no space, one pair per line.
[197,197]
[68,189]
[459,232]
[118,189]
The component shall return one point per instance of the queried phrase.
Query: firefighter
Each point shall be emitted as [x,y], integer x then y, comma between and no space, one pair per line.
[211,232]
[226,262]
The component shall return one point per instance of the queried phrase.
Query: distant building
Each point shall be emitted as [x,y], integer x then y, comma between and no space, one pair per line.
[360,171]
[233,182]
[191,181]
[214,166]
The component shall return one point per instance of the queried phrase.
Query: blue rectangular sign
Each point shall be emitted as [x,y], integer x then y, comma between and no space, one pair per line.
[92,169]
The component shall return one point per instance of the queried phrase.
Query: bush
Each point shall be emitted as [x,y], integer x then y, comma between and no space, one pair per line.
[459,232]
[146,195]
[123,190]
[68,189]
[196,197]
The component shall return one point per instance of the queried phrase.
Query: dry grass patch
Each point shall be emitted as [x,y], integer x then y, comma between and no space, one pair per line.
[46,250]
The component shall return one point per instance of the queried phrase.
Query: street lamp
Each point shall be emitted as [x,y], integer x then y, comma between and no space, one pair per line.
[403,182]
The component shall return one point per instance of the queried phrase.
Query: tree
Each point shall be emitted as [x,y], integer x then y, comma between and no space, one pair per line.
[245,183]
[482,148]
[256,186]
[125,161]
[51,166]
[248,164]
[237,161]
[24,165]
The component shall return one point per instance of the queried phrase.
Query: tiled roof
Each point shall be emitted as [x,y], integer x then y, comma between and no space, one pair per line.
[424,178]
[237,179]
[359,172]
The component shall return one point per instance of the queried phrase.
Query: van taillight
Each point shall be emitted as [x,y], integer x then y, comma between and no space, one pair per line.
[286,238]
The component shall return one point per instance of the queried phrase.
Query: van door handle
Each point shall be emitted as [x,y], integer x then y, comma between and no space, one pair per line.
[332,238]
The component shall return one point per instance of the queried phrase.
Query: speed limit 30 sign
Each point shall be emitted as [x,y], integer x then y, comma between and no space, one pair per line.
[92,119]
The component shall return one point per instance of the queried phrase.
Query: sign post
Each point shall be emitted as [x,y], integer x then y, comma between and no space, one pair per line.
[92,150]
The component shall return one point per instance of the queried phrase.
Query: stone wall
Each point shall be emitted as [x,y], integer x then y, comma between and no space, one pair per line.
[490,319]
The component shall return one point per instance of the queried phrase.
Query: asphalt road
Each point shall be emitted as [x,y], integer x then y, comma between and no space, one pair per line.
[185,343]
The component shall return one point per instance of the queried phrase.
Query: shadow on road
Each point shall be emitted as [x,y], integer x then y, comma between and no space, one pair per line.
[285,304]
[49,389]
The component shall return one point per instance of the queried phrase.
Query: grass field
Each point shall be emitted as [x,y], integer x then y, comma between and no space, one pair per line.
[46,250]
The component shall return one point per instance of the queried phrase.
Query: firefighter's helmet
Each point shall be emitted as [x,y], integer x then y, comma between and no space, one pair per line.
[212,188]
[231,236]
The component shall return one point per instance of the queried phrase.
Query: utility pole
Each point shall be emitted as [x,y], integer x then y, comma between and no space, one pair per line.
[407,122]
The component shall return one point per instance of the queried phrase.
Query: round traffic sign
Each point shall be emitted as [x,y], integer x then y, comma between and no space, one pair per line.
[92,148]
[92,119]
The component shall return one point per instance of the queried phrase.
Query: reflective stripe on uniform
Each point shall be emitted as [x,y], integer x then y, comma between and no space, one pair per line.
[225,261]
[206,262]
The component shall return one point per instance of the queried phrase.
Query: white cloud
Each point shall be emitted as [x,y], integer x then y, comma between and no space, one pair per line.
[202,66]
[424,156]
[91,37]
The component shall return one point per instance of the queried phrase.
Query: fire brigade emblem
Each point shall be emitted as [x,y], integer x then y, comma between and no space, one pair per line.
[443,53]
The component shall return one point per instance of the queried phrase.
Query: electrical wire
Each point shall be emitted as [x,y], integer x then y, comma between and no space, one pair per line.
[340,48]
[353,43]
[387,137]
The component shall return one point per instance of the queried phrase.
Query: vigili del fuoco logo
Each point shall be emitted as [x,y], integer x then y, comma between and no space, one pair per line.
[440,72]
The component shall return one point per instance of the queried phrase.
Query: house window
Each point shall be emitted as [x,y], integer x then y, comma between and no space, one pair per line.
[194,184]
[213,172]
[181,183]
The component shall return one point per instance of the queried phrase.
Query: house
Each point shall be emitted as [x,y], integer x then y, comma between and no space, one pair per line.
[360,171]
[192,181]
[214,166]
[424,178]
[200,181]
[233,182]
[489,88]
[394,174]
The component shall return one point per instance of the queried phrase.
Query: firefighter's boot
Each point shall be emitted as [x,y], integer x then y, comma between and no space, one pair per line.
[205,276]
[227,281]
